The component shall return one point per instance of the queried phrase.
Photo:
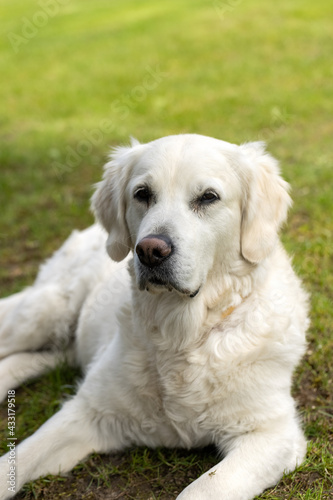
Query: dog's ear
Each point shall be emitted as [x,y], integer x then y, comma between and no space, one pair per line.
[266,203]
[108,202]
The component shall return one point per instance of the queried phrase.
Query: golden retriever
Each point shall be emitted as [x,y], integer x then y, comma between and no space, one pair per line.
[188,335]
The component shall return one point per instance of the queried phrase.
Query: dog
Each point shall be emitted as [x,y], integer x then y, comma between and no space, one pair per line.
[188,335]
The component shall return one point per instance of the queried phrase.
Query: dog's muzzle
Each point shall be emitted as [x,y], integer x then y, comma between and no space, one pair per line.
[156,265]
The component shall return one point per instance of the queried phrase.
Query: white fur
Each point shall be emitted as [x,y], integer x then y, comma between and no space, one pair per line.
[164,368]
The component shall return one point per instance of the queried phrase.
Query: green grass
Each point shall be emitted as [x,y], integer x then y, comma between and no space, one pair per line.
[96,73]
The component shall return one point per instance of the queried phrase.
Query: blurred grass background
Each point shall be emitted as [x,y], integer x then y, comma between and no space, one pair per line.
[80,76]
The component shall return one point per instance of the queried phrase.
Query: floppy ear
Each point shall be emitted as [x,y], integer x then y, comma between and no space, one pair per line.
[108,201]
[265,206]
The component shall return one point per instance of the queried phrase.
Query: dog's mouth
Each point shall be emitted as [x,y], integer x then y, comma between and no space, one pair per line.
[161,278]
[159,282]
[155,284]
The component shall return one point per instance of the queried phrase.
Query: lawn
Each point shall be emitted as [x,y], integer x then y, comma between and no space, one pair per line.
[80,76]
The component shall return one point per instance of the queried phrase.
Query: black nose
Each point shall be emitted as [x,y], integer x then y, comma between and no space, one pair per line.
[153,249]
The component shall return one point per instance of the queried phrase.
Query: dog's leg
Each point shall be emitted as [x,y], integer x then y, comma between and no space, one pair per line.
[8,303]
[99,418]
[31,319]
[47,311]
[254,461]
[17,368]
[8,312]
[65,439]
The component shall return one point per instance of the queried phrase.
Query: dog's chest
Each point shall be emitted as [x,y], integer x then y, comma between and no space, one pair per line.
[187,386]
[183,380]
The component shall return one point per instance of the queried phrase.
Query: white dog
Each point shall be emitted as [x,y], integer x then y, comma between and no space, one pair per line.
[189,334]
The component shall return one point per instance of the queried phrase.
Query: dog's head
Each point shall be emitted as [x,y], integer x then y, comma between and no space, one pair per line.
[187,205]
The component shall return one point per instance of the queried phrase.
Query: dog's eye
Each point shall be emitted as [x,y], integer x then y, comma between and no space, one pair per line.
[208,197]
[143,194]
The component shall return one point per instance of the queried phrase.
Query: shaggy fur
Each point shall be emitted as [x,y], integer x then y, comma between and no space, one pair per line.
[196,350]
